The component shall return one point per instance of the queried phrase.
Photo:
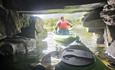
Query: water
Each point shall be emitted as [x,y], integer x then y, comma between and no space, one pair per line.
[51,44]
[89,39]
[22,61]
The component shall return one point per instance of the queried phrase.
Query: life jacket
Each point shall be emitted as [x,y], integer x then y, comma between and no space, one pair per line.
[63,25]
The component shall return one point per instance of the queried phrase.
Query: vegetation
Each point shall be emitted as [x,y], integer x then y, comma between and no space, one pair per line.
[49,24]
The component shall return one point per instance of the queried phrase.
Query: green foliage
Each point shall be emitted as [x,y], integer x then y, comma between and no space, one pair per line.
[49,24]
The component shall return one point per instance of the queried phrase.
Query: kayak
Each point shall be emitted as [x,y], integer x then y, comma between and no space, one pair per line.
[65,39]
[78,57]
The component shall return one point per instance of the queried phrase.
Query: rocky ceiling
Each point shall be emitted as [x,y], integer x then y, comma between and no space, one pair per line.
[33,5]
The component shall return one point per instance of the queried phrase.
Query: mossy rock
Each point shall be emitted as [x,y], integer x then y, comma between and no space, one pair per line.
[97,23]
[92,19]
[95,30]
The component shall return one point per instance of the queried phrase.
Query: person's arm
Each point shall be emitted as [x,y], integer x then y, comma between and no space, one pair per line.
[69,24]
[57,24]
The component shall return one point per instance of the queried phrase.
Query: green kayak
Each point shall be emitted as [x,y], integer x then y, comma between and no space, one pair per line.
[65,39]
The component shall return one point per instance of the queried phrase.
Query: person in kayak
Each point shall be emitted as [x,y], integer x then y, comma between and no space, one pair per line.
[62,26]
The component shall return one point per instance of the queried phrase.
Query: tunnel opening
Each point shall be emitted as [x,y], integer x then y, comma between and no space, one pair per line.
[88,34]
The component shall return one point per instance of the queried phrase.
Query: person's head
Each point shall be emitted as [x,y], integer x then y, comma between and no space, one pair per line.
[62,18]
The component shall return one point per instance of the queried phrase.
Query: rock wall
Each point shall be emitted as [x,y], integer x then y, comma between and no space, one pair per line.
[21,38]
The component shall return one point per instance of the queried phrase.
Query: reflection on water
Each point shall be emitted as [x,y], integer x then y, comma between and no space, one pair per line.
[89,39]
[51,44]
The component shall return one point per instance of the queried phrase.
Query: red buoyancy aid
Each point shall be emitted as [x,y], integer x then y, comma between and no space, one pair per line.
[63,25]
